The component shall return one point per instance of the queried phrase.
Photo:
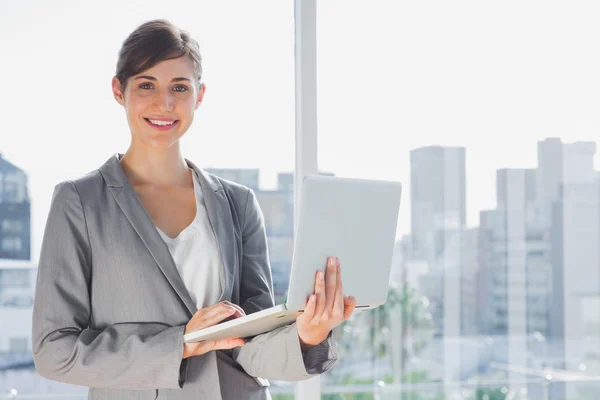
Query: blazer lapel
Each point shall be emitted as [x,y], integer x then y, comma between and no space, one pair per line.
[218,210]
[139,218]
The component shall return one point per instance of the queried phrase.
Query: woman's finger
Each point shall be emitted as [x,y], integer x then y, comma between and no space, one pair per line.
[349,305]
[233,316]
[212,315]
[309,309]
[217,317]
[229,343]
[338,305]
[218,308]
[321,300]
[240,309]
[205,347]
[330,286]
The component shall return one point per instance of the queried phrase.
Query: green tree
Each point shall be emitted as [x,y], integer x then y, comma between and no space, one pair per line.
[389,326]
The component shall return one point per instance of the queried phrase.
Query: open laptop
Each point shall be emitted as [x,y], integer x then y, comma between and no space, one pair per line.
[352,219]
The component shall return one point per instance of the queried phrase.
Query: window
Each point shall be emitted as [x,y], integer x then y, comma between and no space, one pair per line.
[474,120]
[491,129]
[12,226]
[11,244]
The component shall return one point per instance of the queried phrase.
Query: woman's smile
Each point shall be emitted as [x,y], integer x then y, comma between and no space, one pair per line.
[161,125]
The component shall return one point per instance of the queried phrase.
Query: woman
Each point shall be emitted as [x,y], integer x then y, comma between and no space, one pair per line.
[149,247]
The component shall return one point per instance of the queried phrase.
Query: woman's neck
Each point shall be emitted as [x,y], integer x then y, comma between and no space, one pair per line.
[159,169]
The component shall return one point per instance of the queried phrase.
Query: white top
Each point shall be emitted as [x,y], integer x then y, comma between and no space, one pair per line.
[196,254]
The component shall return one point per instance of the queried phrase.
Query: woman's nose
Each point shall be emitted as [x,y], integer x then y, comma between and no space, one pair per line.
[165,101]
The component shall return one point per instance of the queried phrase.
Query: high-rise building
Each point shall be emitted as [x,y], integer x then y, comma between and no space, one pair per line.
[438,198]
[561,163]
[17,274]
[514,259]
[516,250]
[539,263]
[438,231]
[15,213]
[575,323]
[514,287]
[438,217]
[469,267]
[569,203]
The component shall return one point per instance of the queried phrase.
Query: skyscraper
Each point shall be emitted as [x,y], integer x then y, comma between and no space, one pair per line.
[438,198]
[575,323]
[15,213]
[515,268]
[17,273]
[539,261]
[438,219]
[561,163]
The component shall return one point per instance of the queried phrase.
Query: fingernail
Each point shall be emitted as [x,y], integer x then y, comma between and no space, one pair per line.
[332,261]
[321,275]
[337,262]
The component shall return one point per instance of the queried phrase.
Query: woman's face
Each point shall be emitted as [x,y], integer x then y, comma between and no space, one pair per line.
[163,94]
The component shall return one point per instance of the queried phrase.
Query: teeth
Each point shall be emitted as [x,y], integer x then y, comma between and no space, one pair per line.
[155,122]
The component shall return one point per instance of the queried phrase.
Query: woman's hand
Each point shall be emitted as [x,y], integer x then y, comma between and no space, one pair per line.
[210,316]
[326,308]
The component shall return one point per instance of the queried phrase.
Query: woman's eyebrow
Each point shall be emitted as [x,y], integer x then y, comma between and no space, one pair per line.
[151,78]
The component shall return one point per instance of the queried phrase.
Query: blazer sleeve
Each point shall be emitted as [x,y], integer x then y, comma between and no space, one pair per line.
[65,349]
[276,354]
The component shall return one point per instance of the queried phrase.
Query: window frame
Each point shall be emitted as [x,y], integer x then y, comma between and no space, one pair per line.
[305,151]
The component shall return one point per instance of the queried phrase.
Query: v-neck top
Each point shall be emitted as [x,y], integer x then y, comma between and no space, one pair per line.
[196,254]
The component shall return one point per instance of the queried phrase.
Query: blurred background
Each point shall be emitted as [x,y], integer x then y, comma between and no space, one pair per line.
[487,112]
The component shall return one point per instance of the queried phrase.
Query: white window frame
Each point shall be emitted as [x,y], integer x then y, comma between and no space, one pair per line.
[305,50]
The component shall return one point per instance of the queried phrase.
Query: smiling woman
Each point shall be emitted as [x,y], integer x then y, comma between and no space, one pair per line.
[175,249]
[165,97]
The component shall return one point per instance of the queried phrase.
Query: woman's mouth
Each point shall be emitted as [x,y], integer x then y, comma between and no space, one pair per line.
[161,125]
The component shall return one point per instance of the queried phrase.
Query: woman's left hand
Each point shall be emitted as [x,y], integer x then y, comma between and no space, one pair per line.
[326,308]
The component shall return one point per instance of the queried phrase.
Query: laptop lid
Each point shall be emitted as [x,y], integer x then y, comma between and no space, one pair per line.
[354,220]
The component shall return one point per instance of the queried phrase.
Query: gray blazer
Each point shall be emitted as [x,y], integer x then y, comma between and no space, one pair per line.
[110,308]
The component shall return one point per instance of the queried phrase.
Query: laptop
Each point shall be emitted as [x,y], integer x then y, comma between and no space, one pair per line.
[352,219]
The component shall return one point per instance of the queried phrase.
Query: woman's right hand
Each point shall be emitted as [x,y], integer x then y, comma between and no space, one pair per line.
[210,316]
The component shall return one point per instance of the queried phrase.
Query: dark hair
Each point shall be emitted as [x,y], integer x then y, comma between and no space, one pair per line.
[152,42]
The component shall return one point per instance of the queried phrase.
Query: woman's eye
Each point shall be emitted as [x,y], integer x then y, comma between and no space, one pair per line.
[177,88]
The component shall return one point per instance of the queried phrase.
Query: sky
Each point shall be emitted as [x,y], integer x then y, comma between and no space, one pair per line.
[494,77]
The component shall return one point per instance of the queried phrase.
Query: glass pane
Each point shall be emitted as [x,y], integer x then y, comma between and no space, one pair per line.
[488,116]
[61,122]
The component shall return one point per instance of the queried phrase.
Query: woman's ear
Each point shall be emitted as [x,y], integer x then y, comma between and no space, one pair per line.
[118,91]
[200,95]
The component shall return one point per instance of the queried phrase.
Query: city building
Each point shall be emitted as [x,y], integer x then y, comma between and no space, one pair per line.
[438,198]
[15,213]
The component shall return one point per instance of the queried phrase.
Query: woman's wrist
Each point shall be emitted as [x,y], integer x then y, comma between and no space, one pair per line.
[308,342]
